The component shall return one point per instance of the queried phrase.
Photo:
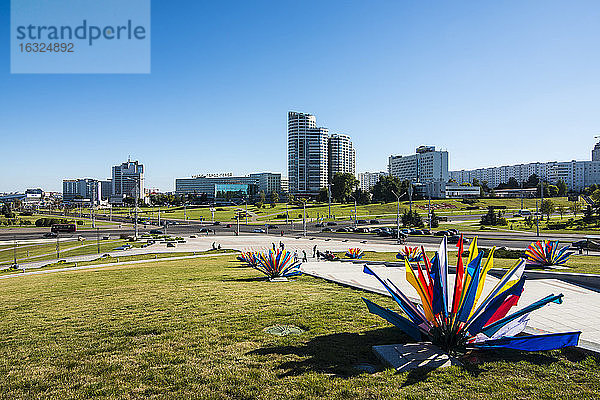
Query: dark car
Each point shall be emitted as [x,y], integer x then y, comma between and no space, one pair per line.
[362,230]
[441,233]
[580,244]
[217,223]
[49,234]
[331,223]
[374,221]
[341,230]
[156,232]
[453,231]
[228,226]
[455,238]
[384,233]
[426,231]
[326,230]
[362,221]
[319,225]
[417,232]
[204,230]
[272,226]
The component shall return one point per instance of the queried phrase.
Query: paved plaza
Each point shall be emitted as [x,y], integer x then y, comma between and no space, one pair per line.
[580,310]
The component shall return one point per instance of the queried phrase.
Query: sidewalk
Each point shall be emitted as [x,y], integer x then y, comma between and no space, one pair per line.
[580,310]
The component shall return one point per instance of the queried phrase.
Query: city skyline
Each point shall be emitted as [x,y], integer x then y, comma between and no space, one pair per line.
[392,76]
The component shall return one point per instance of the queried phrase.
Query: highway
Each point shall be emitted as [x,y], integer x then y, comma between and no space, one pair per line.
[515,240]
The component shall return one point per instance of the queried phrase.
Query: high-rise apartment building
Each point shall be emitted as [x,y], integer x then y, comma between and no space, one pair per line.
[341,155]
[127,181]
[575,174]
[82,189]
[369,179]
[596,152]
[427,165]
[307,154]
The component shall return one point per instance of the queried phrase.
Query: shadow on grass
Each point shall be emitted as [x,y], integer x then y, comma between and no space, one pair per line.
[474,363]
[253,279]
[333,354]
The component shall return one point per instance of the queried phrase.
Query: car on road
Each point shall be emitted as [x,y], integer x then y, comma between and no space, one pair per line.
[205,230]
[453,232]
[272,226]
[362,230]
[418,232]
[455,238]
[156,232]
[581,245]
[319,225]
[441,233]
[217,223]
[193,236]
[124,247]
[426,231]
[49,235]
[331,223]
[326,230]
[106,237]
[259,230]
[373,221]
[405,231]
[362,221]
[171,244]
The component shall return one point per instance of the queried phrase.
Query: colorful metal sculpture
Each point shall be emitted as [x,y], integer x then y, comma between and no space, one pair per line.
[411,254]
[354,253]
[456,320]
[248,257]
[546,253]
[277,264]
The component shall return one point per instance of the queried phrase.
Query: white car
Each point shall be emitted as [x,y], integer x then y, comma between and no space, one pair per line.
[259,230]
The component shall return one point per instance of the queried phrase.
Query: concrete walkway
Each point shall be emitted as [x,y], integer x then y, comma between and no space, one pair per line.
[580,310]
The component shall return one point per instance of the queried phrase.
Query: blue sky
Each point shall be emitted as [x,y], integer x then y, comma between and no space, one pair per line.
[492,82]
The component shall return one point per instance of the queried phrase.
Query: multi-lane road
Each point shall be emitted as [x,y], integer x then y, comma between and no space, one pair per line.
[516,240]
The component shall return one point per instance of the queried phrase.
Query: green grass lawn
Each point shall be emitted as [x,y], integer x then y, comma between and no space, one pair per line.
[47,251]
[194,329]
[87,223]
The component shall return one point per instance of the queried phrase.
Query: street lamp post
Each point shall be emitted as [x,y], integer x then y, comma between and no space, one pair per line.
[135,210]
[355,217]
[397,216]
[304,217]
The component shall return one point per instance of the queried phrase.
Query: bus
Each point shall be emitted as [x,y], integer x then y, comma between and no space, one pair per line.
[68,228]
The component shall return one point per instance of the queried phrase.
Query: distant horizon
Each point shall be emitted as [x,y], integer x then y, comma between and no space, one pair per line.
[492,83]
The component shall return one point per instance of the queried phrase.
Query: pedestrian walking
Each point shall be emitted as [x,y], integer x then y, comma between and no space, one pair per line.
[304,258]
[315,252]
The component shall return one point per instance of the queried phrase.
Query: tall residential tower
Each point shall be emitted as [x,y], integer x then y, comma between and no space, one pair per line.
[341,155]
[307,154]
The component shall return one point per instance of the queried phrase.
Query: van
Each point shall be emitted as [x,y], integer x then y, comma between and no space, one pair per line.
[525,213]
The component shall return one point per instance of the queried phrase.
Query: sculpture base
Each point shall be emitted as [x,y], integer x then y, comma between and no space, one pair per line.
[405,357]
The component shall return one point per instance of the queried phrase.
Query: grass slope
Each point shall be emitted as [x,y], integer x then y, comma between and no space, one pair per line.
[194,329]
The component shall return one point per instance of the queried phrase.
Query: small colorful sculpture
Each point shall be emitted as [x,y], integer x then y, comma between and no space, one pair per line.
[248,257]
[456,320]
[354,253]
[410,254]
[546,253]
[277,264]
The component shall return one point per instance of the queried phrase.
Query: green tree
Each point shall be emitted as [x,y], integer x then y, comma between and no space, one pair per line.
[342,185]
[553,190]
[435,221]
[362,197]
[274,197]
[562,188]
[384,189]
[575,208]
[532,181]
[490,218]
[412,218]
[262,196]
[561,210]
[323,195]
[547,208]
